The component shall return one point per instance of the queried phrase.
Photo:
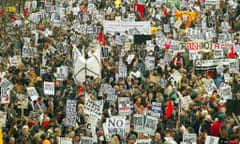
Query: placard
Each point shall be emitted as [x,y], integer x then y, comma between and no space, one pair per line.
[22,101]
[218,53]
[71,113]
[156,109]
[124,106]
[62,73]
[211,140]
[138,121]
[65,140]
[150,125]
[210,86]
[111,94]
[6,88]
[86,140]
[49,88]
[122,71]
[143,141]
[3,118]
[32,93]
[149,62]
[185,102]
[190,138]
[93,107]
[116,122]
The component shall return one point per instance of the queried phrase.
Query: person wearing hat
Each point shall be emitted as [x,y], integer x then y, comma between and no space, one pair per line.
[132,138]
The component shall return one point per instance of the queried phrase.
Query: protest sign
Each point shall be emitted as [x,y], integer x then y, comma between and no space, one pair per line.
[210,86]
[93,107]
[186,100]
[211,140]
[218,53]
[226,92]
[124,106]
[15,60]
[104,52]
[143,141]
[71,113]
[220,69]
[190,138]
[103,88]
[62,73]
[138,121]
[3,118]
[111,94]
[175,78]
[22,101]
[150,125]
[117,122]
[127,126]
[28,51]
[32,93]
[65,140]
[149,62]
[233,66]
[92,121]
[156,109]
[86,140]
[6,88]
[49,88]
[122,71]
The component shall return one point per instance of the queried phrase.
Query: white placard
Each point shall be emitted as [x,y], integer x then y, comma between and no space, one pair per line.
[138,121]
[211,140]
[124,106]
[49,88]
[93,107]
[65,140]
[150,125]
[190,138]
[32,93]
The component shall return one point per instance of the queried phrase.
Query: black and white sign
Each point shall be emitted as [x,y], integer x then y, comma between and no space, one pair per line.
[116,122]
[32,93]
[138,121]
[124,108]
[71,113]
[156,109]
[190,138]
[150,125]
[49,88]
[122,71]
[93,107]
[65,140]
[210,86]
[149,62]
[212,140]
[62,73]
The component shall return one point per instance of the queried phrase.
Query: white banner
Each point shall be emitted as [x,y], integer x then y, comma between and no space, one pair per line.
[143,27]
[49,88]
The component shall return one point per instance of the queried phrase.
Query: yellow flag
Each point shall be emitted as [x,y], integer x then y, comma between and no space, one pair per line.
[1,136]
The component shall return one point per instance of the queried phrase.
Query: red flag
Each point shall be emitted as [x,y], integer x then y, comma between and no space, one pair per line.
[169,110]
[140,9]
[231,54]
[13,18]
[25,12]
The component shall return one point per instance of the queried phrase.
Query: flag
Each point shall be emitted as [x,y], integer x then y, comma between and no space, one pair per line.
[1,136]
[140,9]
[231,54]
[169,110]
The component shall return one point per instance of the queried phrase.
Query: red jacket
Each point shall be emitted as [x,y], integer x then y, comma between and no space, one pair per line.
[215,128]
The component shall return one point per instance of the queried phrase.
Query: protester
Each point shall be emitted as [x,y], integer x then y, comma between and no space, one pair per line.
[121,71]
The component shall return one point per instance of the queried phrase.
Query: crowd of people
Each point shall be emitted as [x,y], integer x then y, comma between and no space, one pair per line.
[43,120]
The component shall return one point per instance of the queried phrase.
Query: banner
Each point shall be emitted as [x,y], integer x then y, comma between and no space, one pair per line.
[93,107]
[143,27]
[124,108]
[190,138]
[32,93]
[49,88]
[86,67]
[150,125]
[138,121]
[71,113]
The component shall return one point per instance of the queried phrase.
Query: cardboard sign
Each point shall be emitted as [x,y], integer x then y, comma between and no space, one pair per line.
[138,121]
[124,106]
[49,88]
